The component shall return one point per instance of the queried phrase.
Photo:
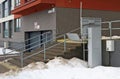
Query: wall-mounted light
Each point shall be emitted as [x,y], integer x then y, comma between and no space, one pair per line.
[51,10]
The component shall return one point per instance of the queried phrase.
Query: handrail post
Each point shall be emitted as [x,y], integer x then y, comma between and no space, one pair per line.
[4,50]
[44,52]
[110,29]
[21,57]
[39,41]
[46,38]
[64,43]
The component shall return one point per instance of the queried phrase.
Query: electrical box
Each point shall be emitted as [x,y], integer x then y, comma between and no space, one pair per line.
[110,45]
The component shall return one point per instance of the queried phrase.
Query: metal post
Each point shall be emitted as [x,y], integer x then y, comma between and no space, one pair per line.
[21,57]
[81,31]
[84,50]
[44,52]
[46,38]
[64,43]
[110,29]
[4,50]
[39,41]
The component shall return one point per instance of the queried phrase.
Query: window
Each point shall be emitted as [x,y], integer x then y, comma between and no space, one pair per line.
[17,2]
[17,24]
[5,29]
[10,28]
[12,4]
[5,9]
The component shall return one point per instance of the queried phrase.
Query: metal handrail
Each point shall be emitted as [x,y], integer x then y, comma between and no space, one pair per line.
[111,21]
[35,45]
[110,26]
[58,43]
[40,51]
[44,43]
[27,45]
[44,49]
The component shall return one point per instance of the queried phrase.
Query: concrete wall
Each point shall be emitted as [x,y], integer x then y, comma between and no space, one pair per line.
[105,55]
[39,21]
[68,19]
[115,56]
[111,58]
[16,37]
[43,19]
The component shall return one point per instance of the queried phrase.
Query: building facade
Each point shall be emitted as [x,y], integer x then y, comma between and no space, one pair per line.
[23,19]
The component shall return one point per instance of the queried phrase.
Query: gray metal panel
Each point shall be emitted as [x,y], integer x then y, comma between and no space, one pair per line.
[105,55]
[111,58]
[115,56]
[94,43]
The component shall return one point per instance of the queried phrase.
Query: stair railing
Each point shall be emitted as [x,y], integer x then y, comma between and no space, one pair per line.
[45,48]
[24,46]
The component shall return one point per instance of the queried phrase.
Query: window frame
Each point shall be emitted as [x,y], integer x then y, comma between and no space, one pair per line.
[5,8]
[6,29]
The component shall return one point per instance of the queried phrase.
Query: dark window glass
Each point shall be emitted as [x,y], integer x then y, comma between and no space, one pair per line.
[17,25]
[6,29]
[10,28]
[5,8]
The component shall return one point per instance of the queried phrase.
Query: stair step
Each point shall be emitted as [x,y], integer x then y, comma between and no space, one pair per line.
[3,69]
[58,50]
[15,62]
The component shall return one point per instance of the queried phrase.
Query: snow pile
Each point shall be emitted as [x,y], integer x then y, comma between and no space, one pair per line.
[61,62]
[60,68]
[37,65]
[75,62]
[7,51]
[113,37]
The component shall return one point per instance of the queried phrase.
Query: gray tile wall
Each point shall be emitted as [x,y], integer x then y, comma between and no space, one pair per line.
[111,58]
[68,19]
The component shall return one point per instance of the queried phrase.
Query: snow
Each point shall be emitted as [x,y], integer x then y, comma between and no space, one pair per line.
[60,68]
[7,51]
[113,37]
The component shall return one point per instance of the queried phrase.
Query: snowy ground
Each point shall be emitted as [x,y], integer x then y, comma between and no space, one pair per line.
[60,68]
[7,51]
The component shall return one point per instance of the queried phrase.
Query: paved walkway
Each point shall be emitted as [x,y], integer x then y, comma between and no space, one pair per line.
[3,69]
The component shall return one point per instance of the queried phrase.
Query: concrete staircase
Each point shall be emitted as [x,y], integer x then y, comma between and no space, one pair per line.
[73,50]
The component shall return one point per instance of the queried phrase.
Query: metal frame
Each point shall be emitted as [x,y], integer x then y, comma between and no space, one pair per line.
[110,26]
